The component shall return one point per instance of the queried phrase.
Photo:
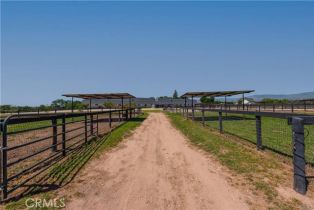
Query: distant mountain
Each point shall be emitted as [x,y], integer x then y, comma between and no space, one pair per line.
[297,96]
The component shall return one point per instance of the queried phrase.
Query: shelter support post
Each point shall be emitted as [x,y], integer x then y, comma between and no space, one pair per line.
[192,108]
[90,105]
[72,105]
[243,101]
[203,117]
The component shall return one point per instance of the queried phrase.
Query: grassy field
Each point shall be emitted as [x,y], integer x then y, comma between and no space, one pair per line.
[261,173]
[276,133]
[65,171]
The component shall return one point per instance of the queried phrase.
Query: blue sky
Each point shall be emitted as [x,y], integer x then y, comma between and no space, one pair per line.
[152,48]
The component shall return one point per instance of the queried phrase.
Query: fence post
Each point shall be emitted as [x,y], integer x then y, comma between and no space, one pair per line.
[85,128]
[187,112]
[97,125]
[91,125]
[119,115]
[54,134]
[300,182]
[126,115]
[220,122]
[4,159]
[193,115]
[292,108]
[259,143]
[63,136]
[109,119]
[203,117]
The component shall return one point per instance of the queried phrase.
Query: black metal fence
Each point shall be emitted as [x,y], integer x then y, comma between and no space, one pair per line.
[278,107]
[30,144]
[279,132]
[37,110]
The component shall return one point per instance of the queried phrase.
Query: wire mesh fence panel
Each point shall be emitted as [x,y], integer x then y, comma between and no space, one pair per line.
[243,126]
[211,119]
[309,143]
[309,153]
[277,135]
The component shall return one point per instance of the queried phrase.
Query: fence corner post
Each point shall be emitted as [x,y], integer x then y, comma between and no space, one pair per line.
[3,162]
[299,177]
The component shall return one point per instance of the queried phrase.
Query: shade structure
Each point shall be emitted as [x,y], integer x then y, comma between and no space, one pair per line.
[215,93]
[101,96]
[91,96]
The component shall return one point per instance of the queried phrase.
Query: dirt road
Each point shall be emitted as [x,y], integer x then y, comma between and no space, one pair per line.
[155,168]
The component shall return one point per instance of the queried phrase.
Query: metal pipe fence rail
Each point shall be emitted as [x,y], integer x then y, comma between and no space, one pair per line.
[278,107]
[288,134]
[30,144]
[38,111]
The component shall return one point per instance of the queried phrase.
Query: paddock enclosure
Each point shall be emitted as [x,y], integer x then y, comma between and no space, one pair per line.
[288,134]
[32,143]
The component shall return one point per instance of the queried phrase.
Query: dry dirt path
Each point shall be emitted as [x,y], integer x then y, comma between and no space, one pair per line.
[155,168]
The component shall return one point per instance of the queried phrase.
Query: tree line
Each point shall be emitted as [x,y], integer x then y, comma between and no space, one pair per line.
[58,104]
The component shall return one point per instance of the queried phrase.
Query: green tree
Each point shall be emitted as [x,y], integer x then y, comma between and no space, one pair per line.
[175,94]
[58,103]
[207,100]
[109,105]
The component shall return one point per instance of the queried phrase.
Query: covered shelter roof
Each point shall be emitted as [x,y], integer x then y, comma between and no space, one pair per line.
[101,96]
[215,93]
